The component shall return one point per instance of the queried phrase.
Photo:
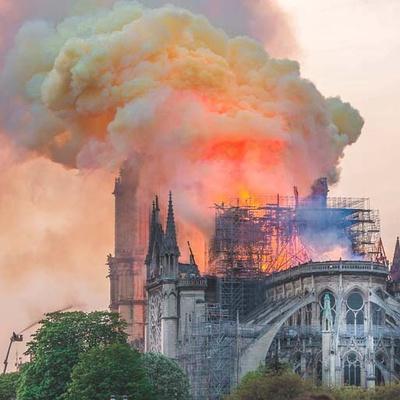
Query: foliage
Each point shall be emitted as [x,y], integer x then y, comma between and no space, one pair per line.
[261,385]
[351,393]
[57,346]
[265,384]
[275,368]
[8,386]
[168,380]
[105,371]
[390,392]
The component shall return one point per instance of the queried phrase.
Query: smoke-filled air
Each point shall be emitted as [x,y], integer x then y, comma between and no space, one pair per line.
[203,113]
[206,113]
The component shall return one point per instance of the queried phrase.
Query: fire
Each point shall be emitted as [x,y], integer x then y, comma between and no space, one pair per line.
[201,113]
[241,150]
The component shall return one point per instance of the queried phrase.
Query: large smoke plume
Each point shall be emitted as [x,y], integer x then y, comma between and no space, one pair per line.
[206,114]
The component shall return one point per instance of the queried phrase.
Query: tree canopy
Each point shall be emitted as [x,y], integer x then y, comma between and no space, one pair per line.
[168,380]
[57,346]
[105,371]
[267,384]
[8,386]
[262,385]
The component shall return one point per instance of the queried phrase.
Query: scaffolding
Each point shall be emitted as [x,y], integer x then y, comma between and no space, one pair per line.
[240,296]
[254,238]
[207,353]
[269,234]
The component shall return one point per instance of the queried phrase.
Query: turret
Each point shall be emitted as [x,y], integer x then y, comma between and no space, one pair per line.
[171,251]
[162,264]
[156,238]
[395,269]
[163,252]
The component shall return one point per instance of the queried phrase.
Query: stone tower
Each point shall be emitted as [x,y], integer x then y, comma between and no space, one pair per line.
[126,267]
[162,263]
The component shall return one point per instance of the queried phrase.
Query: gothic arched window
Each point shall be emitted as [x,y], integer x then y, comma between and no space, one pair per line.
[355,313]
[380,363]
[378,315]
[352,370]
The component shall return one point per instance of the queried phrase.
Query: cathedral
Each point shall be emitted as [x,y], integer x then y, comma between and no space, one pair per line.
[336,322]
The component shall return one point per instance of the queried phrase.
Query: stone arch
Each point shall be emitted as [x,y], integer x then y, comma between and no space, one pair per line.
[356,288]
[171,293]
[254,354]
[352,350]
[326,289]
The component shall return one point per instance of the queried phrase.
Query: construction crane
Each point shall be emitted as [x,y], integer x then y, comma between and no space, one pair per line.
[14,338]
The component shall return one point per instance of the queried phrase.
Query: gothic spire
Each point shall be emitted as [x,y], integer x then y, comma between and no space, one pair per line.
[171,244]
[156,207]
[395,270]
[155,231]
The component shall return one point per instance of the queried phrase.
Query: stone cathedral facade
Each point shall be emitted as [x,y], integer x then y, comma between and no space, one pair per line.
[337,322]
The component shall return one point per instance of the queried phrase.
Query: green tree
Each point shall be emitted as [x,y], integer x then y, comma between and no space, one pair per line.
[168,380]
[57,346]
[280,384]
[261,385]
[8,386]
[111,370]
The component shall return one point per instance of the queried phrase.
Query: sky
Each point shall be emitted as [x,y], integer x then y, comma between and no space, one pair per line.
[346,47]
[352,48]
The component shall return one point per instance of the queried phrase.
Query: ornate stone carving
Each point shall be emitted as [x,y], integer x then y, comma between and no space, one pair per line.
[155,315]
